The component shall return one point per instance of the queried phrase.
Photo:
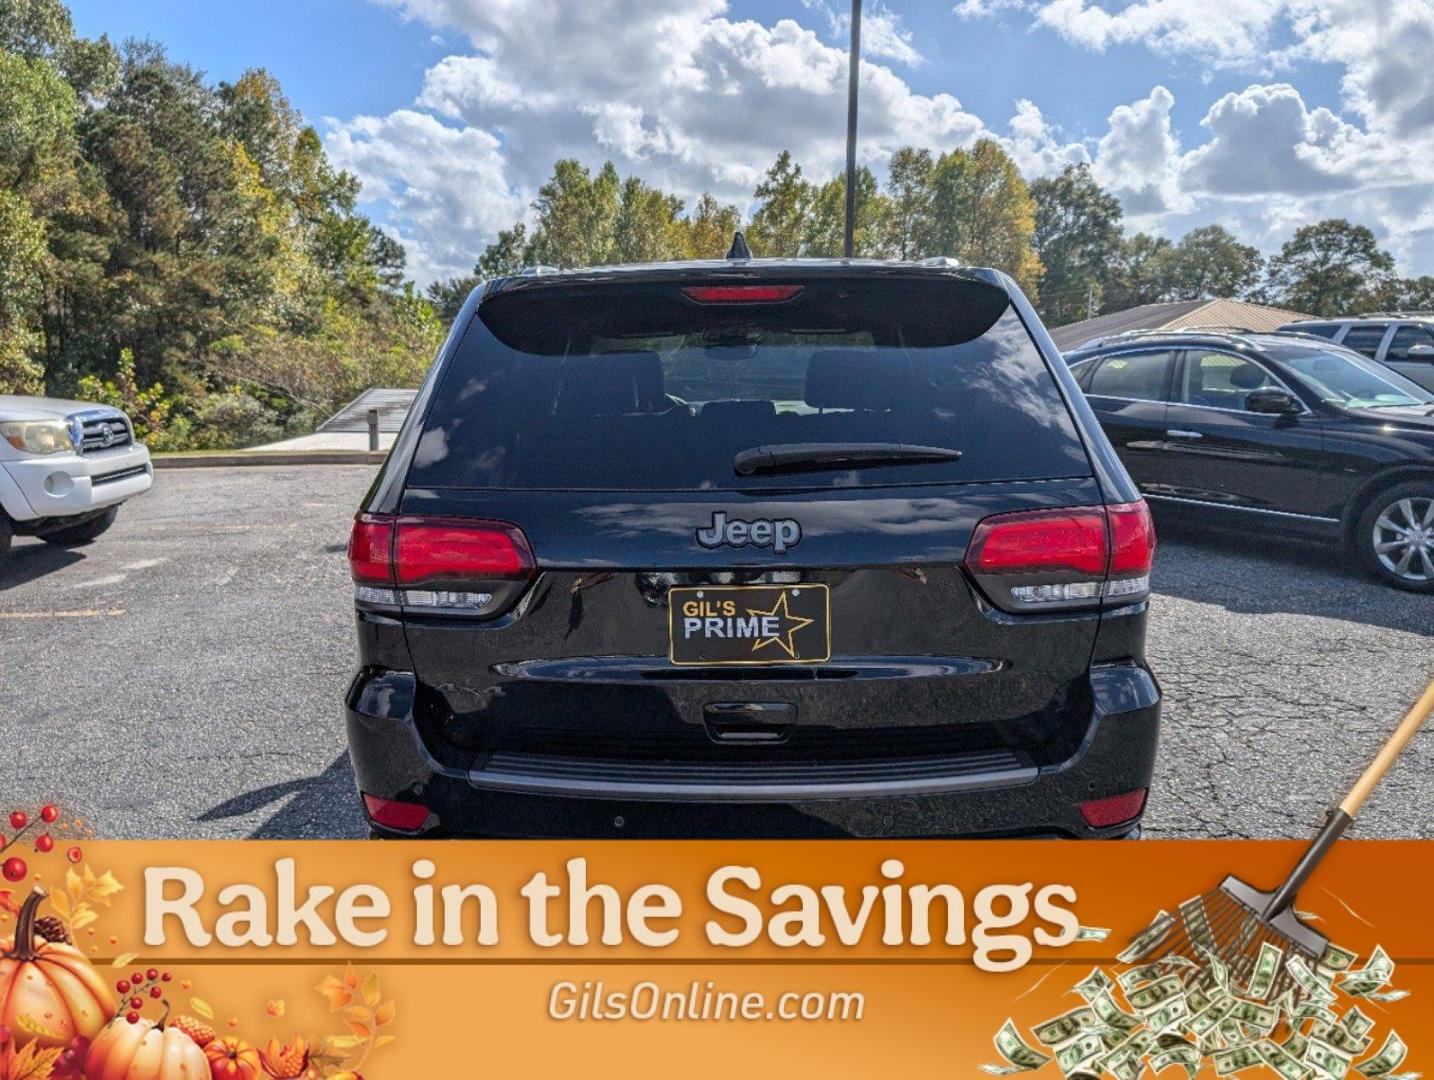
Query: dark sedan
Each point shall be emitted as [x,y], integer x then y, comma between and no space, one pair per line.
[1271,433]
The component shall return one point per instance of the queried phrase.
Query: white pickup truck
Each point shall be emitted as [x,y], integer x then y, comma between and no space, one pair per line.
[65,468]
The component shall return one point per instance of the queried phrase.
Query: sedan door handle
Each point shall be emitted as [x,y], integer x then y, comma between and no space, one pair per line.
[1180,433]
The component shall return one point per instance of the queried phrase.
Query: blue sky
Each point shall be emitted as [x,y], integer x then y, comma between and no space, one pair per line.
[1259,114]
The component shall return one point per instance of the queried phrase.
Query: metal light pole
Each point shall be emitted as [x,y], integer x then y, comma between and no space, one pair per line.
[853,78]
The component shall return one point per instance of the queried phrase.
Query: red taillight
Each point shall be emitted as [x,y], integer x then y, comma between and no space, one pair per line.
[1114,809]
[1040,540]
[1072,557]
[433,550]
[741,294]
[1132,534]
[394,814]
[371,550]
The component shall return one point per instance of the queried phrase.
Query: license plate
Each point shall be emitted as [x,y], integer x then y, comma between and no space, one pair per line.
[750,624]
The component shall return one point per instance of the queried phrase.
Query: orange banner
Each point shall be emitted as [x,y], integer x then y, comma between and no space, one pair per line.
[803,957]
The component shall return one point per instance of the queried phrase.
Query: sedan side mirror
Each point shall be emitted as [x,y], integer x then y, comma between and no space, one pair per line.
[1271,399]
[1420,352]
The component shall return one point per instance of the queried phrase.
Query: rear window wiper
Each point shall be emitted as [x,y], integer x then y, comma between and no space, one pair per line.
[803,457]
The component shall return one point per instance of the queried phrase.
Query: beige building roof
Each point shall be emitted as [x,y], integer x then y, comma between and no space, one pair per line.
[1176,315]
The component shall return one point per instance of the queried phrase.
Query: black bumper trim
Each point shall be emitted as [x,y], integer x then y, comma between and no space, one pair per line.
[751,781]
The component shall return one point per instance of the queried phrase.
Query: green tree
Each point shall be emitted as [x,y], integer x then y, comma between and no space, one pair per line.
[982,213]
[707,232]
[576,216]
[1078,238]
[826,222]
[645,229]
[1330,268]
[1209,263]
[22,253]
[1141,274]
[782,223]
[1409,294]
[908,198]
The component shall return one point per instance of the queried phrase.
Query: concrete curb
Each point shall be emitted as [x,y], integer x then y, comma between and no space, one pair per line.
[267,457]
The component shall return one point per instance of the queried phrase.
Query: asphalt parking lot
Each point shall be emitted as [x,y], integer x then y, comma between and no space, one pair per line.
[182,676]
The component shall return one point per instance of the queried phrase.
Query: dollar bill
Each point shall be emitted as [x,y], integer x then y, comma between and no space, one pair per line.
[1312,1010]
[1112,1015]
[1208,1019]
[1236,1059]
[1168,1015]
[1142,973]
[1197,923]
[1391,1055]
[1282,1061]
[1257,1015]
[1218,972]
[1387,995]
[1151,996]
[1355,1022]
[1336,959]
[1308,981]
[1064,1028]
[1340,1037]
[1020,1056]
[1267,966]
[1081,1052]
[1185,1055]
[1375,974]
[1329,1060]
[1295,1044]
[1094,984]
[1092,933]
[1149,939]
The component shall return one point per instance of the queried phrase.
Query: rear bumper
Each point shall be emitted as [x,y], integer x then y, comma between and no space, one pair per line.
[64,485]
[987,793]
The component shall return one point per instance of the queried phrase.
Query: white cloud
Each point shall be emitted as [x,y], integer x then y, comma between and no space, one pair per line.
[1139,156]
[690,99]
[695,100]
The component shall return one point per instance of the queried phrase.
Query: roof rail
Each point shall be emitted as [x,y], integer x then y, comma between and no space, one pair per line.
[538,271]
[1392,315]
[941,261]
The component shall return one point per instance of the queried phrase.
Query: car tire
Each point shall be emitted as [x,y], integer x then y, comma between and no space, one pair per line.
[84,533]
[1394,537]
[6,532]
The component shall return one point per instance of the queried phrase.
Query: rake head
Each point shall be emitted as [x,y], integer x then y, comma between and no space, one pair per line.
[1231,924]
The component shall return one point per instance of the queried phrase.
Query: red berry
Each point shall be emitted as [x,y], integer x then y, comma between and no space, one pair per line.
[165,977]
[74,854]
[44,843]
[155,991]
[137,978]
[122,986]
[136,1003]
[152,974]
[132,1017]
[19,819]
[49,814]
[14,869]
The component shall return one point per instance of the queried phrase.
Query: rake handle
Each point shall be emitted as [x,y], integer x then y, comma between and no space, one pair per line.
[1343,816]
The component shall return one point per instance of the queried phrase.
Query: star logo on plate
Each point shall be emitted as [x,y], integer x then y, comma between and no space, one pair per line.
[790,625]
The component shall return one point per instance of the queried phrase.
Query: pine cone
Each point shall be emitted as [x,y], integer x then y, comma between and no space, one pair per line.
[52,929]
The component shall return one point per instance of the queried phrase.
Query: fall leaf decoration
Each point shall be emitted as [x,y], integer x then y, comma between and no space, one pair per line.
[30,1062]
[365,1014]
[84,889]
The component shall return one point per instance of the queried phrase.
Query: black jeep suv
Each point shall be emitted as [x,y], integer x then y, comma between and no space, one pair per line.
[752,547]
[1274,433]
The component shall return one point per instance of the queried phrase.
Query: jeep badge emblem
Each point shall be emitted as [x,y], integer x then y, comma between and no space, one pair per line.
[779,535]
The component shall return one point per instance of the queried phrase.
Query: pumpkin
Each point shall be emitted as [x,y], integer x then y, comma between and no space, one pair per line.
[144,1050]
[232,1059]
[49,994]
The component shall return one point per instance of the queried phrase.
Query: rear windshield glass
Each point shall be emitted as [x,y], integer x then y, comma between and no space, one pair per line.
[624,386]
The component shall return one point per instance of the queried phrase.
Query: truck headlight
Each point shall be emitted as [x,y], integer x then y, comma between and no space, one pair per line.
[38,436]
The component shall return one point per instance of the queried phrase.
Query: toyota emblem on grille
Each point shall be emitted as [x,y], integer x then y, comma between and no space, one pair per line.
[107,435]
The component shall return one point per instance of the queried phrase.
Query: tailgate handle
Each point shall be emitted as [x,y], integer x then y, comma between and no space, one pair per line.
[748,721]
